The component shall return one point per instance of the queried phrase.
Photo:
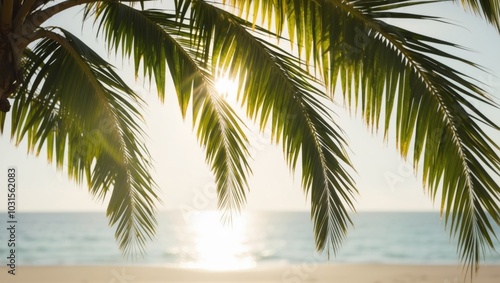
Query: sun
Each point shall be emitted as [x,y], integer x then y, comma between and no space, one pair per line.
[226,88]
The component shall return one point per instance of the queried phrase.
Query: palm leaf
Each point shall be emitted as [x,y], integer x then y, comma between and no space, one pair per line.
[73,105]
[487,9]
[387,70]
[276,91]
[218,127]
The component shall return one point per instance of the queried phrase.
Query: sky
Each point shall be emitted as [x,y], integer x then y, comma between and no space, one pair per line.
[384,180]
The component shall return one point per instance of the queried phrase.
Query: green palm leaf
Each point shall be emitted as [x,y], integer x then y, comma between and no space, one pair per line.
[278,92]
[488,9]
[218,127]
[75,106]
[390,71]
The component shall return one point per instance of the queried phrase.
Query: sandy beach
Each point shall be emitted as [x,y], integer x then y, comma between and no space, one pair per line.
[317,273]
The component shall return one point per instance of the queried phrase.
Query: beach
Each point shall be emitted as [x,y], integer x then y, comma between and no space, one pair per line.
[264,248]
[317,273]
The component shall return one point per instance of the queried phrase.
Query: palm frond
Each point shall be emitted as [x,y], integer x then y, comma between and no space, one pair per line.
[388,71]
[73,105]
[276,91]
[218,127]
[487,9]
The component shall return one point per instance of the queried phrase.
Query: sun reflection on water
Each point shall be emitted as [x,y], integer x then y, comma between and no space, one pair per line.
[218,245]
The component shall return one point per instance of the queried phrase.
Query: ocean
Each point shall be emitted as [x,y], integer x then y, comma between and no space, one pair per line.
[253,239]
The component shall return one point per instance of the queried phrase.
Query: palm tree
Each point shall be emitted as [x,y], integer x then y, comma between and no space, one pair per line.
[69,102]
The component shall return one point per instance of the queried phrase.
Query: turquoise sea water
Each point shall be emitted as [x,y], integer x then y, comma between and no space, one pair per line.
[201,241]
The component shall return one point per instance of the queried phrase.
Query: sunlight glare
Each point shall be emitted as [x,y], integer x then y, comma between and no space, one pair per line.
[220,246]
[226,88]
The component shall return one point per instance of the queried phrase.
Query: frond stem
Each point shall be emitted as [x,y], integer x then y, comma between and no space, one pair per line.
[422,74]
[36,19]
[25,9]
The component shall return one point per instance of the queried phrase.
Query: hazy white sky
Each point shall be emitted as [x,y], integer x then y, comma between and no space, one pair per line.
[385,181]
